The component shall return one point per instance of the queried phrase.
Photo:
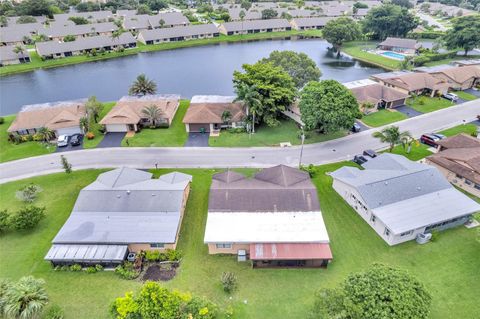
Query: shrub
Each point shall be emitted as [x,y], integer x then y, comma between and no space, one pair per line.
[90,136]
[152,255]
[236,130]
[421,101]
[38,137]
[28,193]
[229,281]
[4,221]
[16,139]
[65,164]
[2,120]
[99,267]
[65,268]
[310,169]
[54,312]
[90,270]
[127,271]
[75,267]
[173,255]
[27,217]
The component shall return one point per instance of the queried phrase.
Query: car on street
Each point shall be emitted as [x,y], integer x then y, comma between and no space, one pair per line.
[450,96]
[62,140]
[356,127]
[429,139]
[360,159]
[370,153]
[76,140]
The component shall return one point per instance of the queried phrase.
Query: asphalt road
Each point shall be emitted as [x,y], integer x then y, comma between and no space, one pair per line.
[208,157]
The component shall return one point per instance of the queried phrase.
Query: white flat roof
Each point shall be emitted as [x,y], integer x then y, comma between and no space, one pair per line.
[359,83]
[87,253]
[212,99]
[425,210]
[284,227]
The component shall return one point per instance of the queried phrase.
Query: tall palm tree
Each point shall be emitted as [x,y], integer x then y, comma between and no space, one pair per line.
[249,95]
[226,116]
[142,86]
[94,108]
[392,136]
[46,133]
[407,142]
[153,114]
[84,124]
[26,299]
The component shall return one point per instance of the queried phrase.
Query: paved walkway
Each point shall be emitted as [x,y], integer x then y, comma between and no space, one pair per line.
[320,153]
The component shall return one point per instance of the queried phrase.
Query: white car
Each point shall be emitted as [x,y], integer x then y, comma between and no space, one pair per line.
[62,140]
[451,96]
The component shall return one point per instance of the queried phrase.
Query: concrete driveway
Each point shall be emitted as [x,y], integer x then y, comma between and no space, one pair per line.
[408,111]
[197,140]
[112,140]
[473,92]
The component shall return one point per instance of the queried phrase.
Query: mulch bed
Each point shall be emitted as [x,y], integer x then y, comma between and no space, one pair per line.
[157,272]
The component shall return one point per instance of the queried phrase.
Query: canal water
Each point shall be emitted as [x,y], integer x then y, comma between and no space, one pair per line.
[188,71]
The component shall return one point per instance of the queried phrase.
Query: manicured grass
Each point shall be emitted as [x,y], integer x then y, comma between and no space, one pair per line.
[448,267]
[417,152]
[37,63]
[10,151]
[287,131]
[175,135]
[382,117]
[426,104]
[357,50]
[107,106]
[467,128]
[466,96]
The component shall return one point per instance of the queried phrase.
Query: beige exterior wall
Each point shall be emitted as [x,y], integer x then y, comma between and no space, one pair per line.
[212,249]
[200,36]
[139,247]
[453,84]
[455,180]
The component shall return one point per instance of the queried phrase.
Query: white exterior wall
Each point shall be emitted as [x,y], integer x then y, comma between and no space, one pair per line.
[116,128]
[69,130]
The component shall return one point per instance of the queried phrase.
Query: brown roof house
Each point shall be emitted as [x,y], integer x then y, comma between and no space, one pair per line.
[128,114]
[61,117]
[407,46]
[210,113]
[458,78]
[459,160]
[412,82]
[274,219]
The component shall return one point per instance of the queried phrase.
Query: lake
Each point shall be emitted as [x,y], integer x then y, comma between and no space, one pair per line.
[188,71]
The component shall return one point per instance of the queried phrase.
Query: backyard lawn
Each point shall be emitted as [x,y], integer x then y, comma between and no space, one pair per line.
[382,117]
[425,104]
[287,131]
[10,151]
[107,106]
[175,135]
[357,50]
[466,96]
[448,267]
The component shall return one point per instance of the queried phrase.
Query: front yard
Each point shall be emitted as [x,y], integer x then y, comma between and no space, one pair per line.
[426,104]
[287,131]
[382,117]
[448,267]
[175,135]
[107,106]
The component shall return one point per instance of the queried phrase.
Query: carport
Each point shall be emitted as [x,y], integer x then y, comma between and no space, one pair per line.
[290,255]
[107,255]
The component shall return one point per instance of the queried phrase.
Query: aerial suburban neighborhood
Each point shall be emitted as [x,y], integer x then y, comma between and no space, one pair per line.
[173,159]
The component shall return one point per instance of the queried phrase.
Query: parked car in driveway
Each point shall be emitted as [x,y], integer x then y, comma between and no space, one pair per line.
[356,127]
[62,140]
[429,139]
[450,96]
[370,153]
[359,159]
[76,139]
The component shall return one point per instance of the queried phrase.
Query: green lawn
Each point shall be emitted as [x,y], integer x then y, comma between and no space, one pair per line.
[357,50]
[466,96]
[287,131]
[426,104]
[467,128]
[175,135]
[10,151]
[383,117]
[448,267]
[107,106]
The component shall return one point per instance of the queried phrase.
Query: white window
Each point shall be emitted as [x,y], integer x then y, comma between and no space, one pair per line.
[407,233]
[373,218]
[223,246]
[386,232]
[157,245]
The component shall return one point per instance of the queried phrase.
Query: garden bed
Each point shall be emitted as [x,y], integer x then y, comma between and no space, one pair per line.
[160,272]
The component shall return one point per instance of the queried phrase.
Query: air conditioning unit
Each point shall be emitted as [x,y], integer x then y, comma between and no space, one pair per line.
[242,255]
[423,238]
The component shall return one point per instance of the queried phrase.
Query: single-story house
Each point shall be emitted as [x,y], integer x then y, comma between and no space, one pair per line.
[136,23]
[459,161]
[61,117]
[254,26]
[123,210]
[53,49]
[274,219]
[457,77]
[18,34]
[234,14]
[168,20]
[412,82]
[309,23]
[127,114]
[58,32]
[192,32]
[205,113]
[380,96]
[466,62]
[92,16]
[8,55]
[401,199]
[407,46]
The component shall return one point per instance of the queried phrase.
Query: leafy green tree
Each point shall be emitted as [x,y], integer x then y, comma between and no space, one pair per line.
[360,5]
[153,114]
[299,66]
[250,97]
[379,292]
[69,38]
[46,134]
[4,226]
[226,116]
[275,87]
[142,86]
[93,107]
[143,9]
[84,124]
[26,298]
[25,19]
[389,20]
[391,135]
[269,14]
[79,20]
[3,21]
[34,8]
[328,106]
[464,33]
[246,4]
[27,217]
[156,5]
[403,3]
[340,30]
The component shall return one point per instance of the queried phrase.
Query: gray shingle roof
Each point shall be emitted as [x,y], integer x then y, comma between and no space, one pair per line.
[166,33]
[16,32]
[60,30]
[7,53]
[93,16]
[312,22]
[256,25]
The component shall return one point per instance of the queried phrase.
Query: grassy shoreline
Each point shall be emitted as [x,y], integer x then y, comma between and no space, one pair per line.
[355,50]
[37,63]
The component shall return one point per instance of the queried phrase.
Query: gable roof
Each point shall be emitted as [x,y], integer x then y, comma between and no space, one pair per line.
[461,74]
[205,113]
[412,81]
[400,43]
[7,53]
[183,31]
[375,93]
[256,24]
[459,141]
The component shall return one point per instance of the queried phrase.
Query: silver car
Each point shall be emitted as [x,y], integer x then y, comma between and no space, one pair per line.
[62,140]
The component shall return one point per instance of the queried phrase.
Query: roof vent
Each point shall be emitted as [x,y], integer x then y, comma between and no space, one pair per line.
[153,194]
[419,188]
[128,192]
[386,183]
[118,196]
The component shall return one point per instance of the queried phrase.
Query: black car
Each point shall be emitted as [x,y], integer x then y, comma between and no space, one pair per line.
[370,153]
[356,128]
[359,159]
[76,139]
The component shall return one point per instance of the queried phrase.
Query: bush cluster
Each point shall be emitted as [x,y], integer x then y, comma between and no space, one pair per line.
[127,271]
[167,255]
[229,281]
[26,218]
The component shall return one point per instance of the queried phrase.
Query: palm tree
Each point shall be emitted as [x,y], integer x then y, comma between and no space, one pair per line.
[407,142]
[249,95]
[26,299]
[142,86]
[84,124]
[392,136]
[153,114]
[94,108]
[226,116]
[46,133]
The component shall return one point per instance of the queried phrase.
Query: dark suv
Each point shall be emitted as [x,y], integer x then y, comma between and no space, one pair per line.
[76,139]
